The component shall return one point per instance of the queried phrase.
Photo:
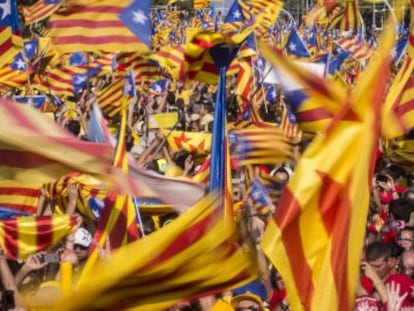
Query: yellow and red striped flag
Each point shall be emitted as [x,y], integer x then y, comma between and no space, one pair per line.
[257,145]
[35,148]
[102,25]
[195,255]
[40,10]
[315,237]
[109,98]
[398,110]
[10,40]
[117,224]
[19,196]
[23,236]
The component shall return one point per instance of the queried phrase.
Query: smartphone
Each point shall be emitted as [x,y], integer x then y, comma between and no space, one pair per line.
[51,258]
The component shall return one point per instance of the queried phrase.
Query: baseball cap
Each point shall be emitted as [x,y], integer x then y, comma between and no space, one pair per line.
[83,237]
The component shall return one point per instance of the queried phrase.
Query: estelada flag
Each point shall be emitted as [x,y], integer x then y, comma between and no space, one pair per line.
[195,255]
[315,237]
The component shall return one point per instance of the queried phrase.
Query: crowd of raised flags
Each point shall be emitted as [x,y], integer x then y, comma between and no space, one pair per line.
[206,153]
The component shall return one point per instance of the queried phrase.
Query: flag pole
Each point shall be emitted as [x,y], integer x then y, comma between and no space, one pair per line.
[139,218]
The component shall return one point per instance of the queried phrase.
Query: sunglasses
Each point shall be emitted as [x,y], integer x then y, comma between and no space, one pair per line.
[81,247]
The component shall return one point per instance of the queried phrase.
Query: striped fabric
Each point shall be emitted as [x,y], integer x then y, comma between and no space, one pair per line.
[23,236]
[351,19]
[172,60]
[40,10]
[58,80]
[257,145]
[314,237]
[19,196]
[359,50]
[102,25]
[10,40]
[410,45]
[289,127]
[117,224]
[398,107]
[109,98]
[177,262]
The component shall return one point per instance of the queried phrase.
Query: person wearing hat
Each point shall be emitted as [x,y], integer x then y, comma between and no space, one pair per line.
[248,302]
[82,241]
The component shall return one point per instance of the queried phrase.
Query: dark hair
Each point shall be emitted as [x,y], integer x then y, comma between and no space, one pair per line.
[74,127]
[378,249]
[395,171]
[401,209]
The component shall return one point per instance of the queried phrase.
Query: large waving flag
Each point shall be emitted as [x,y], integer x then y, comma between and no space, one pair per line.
[23,236]
[102,25]
[117,223]
[10,40]
[18,196]
[315,237]
[302,88]
[194,255]
[410,46]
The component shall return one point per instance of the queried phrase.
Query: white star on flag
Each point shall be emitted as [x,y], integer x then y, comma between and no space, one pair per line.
[139,17]
[80,79]
[5,8]
[237,14]
[158,88]
[20,64]
[256,195]
[292,46]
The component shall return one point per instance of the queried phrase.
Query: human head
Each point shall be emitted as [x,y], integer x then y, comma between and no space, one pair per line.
[247,302]
[400,209]
[378,255]
[407,263]
[406,238]
[82,243]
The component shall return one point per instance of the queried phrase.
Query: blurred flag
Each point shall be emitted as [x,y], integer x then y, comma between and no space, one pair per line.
[40,10]
[198,238]
[23,236]
[359,50]
[129,85]
[10,40]
[261,145]
[36,101]
[320,270]
[102,25]
[7,213]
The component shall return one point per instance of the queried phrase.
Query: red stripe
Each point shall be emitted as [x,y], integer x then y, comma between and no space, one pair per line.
[287,218]
[90,41]
[28,192]
[44,237]
[184,240]
[335,209]
[405,108]
[6,45]
[86,23]
[11,237]
[312,115]
[23,159]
